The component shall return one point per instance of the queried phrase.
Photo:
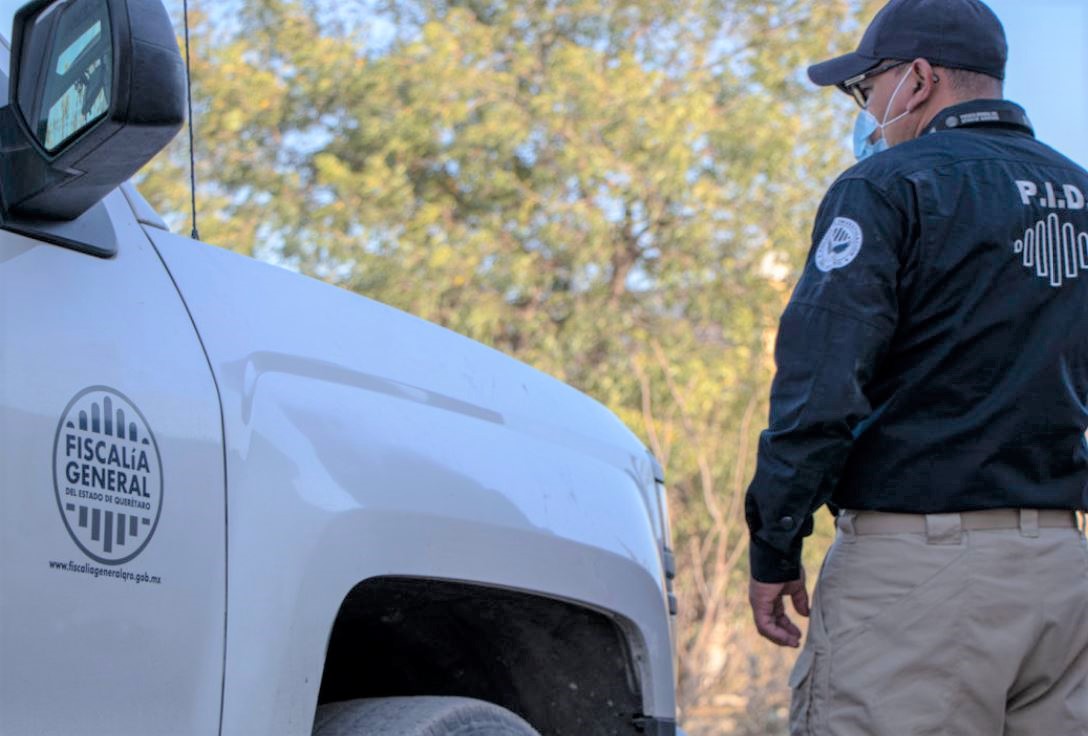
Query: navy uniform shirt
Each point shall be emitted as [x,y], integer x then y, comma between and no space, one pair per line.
[934,354]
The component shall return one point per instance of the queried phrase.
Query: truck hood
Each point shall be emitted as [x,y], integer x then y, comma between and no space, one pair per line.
[256,319]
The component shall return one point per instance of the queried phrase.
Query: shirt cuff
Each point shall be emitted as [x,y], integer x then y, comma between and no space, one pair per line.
[769,565]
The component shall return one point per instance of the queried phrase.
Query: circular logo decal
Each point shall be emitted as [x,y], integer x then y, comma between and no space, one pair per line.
[840,245]
[107,475]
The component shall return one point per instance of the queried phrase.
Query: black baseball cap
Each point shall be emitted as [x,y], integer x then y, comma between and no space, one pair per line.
[958,34]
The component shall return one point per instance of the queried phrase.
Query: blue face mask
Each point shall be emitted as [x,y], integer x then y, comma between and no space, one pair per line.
[867,124]
[864,128]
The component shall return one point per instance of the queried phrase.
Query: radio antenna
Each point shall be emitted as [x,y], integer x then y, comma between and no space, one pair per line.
[195,235]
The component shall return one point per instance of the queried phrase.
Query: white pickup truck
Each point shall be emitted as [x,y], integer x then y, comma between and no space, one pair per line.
[236,500]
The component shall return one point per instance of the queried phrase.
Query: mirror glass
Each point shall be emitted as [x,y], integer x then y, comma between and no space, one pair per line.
[71,92]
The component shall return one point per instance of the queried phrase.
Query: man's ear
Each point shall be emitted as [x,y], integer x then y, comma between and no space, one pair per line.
[923,84]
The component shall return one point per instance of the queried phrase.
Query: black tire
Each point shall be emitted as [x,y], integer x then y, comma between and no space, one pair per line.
[419,716]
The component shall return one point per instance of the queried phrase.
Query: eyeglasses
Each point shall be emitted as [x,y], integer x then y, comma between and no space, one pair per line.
[852,86]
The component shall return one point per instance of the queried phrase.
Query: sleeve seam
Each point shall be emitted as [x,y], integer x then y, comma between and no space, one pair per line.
[875,188]
[836,312]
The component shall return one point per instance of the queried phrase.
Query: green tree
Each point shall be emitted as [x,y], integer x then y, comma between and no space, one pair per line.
[619,192]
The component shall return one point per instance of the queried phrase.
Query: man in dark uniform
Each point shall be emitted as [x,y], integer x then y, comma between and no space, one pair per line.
[932,389]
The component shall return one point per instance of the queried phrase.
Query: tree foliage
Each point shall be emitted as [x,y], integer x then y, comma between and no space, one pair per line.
[619,192]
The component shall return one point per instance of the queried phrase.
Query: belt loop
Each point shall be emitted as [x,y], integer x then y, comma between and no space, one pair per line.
[845,522]
[1029,522]
[944,528]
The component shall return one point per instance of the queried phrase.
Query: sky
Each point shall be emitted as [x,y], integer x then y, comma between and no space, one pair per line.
[1047,71]
[1048,68]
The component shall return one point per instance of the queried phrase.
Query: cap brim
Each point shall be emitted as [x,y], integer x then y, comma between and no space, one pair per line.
[841,68]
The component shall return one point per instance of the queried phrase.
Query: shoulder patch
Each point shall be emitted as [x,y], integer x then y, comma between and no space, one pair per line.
[840,245]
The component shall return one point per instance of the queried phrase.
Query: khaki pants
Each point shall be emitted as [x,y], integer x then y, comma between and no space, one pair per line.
[947,630]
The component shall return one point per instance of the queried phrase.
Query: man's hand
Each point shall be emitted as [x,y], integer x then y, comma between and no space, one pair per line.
[769,609]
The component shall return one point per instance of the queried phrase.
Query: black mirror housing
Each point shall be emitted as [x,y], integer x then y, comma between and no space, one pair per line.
[97,89]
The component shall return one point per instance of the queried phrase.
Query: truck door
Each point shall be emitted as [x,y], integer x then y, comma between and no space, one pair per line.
[112,499]
[112,554]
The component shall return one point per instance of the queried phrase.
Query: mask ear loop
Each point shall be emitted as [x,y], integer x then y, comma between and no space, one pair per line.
[888,108]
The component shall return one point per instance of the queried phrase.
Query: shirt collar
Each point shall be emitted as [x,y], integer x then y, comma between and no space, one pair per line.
[982,113]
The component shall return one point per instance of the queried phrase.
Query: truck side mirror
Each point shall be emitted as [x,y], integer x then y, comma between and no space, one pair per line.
[97,89]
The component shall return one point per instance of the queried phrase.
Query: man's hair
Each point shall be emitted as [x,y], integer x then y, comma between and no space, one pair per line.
[972,85]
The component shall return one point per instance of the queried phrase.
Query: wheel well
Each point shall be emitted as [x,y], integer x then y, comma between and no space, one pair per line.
[564,668]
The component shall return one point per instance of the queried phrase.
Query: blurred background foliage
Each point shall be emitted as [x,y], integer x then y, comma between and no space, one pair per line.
[618,192]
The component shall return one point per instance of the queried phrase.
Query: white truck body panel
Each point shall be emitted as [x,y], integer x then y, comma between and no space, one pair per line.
[83,651]
[365,442]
